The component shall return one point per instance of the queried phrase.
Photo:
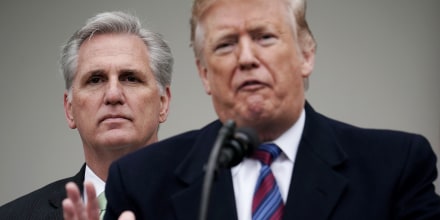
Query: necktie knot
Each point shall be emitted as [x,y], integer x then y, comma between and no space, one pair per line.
[266,153]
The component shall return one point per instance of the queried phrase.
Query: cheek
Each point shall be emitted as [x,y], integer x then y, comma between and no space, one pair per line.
[147,118]
[147,106]
[219,76]
[289,66]
[87,103]
[86,106]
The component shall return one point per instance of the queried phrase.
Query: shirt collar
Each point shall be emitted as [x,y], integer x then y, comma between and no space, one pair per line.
[97,182]
[288,142]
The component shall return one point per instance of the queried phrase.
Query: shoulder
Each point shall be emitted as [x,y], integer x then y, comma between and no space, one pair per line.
[369,145]
[396,167]
[41,202]
[36,201]
[171,149]
[160,160]
[168,148]
[394,150]
[385,139]
[351,137]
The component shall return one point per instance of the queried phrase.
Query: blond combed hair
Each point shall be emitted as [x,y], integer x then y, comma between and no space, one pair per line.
[297,8]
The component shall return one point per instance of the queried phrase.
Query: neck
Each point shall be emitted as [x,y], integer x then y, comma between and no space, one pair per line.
[100,161]
[99,167]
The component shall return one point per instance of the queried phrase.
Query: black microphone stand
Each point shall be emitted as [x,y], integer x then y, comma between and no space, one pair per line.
[224,135]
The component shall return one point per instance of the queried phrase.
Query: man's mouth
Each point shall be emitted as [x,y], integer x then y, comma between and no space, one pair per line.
[251,85]
[114,118]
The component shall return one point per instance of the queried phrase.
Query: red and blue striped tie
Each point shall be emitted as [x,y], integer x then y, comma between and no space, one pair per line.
[267,202]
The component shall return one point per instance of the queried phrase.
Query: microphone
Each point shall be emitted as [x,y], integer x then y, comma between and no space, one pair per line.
[242,143]
[230,147]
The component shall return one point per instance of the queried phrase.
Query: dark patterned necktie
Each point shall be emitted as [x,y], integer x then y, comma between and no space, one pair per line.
[267,202]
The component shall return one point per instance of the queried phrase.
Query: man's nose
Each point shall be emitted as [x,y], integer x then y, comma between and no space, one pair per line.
[114,93]
[246,55]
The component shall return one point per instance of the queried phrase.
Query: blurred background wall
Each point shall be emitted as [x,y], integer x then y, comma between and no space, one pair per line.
[377,65]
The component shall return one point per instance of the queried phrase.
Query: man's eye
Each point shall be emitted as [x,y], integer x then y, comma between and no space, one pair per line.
[95,79]
[130,78]
[266,36]
[224,47]
[266,39]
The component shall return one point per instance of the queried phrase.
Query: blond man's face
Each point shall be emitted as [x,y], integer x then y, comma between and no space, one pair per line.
[252,65]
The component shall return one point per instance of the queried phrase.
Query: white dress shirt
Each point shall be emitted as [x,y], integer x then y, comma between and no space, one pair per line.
[245,174]
[97,182]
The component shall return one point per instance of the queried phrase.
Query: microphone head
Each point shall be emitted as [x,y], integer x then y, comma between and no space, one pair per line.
[242,143]
[249,137]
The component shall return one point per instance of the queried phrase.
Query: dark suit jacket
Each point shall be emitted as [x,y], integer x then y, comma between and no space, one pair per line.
[44,203]
[341,172]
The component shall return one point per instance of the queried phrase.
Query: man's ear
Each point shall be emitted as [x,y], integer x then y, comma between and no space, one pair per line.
[308,50]
[164,104]
[308,62]
[68,111]
[203,74]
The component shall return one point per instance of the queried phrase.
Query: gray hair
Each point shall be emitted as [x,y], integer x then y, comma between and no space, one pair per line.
[161,59]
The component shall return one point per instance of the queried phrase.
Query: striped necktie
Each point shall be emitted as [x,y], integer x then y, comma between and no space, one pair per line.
[267,202]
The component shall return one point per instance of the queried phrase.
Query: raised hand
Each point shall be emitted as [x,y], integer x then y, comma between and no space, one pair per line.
[74,207]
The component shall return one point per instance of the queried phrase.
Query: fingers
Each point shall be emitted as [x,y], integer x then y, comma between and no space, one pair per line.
[127,215]
[92,208]
[68,210]
[73,192]
[74,207]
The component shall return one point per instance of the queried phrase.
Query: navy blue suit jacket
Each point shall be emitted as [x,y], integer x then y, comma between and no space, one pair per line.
[44,203]
[341,172]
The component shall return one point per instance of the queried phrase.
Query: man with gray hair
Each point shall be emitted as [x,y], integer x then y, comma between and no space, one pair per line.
[117,77]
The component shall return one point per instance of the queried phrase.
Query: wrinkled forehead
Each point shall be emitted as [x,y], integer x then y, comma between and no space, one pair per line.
[293,9]
[202,7]
[216,13]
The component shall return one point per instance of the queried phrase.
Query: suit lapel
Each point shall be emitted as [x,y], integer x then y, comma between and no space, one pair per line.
[186,202]
[58,195]
[316,186]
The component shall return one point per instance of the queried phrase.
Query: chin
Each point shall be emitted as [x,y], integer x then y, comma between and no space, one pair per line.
[119,141]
